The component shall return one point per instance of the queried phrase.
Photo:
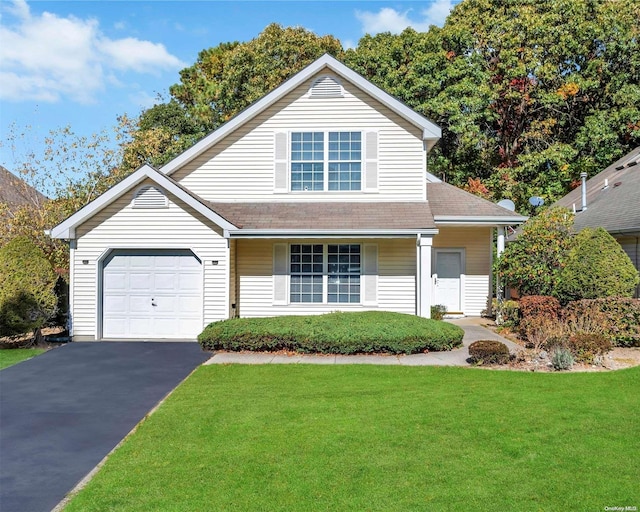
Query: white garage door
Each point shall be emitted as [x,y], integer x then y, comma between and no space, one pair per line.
[152,294]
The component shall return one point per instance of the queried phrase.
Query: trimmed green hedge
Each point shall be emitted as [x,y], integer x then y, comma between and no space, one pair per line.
[333,333]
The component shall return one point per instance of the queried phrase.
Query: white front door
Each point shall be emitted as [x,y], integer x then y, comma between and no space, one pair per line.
[448,269]
[151,294]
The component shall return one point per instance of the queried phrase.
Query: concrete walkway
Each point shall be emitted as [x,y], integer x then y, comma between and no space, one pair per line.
[473,331]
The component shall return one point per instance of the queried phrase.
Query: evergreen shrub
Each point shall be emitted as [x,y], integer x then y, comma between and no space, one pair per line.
[596,266]
[333,333]
[27,282]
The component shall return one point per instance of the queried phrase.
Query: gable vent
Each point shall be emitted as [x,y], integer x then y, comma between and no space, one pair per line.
[150,197]
[326,87]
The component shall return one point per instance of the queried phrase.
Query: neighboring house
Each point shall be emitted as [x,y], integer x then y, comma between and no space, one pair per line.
[314,199]
[15,192]
[612,201]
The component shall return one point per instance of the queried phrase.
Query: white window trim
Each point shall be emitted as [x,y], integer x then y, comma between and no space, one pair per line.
[325,173]
[325,276]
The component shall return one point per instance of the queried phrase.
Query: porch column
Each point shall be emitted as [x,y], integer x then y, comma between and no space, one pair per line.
[424,285]
[499,251]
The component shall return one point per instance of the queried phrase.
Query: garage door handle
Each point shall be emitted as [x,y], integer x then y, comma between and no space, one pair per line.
[153,302]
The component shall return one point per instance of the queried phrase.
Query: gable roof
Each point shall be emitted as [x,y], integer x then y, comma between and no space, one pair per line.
[614,207]
[66,229]
[430,131]
[16,192]
[452,205]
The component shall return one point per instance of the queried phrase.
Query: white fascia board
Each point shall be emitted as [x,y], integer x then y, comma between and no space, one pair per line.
[328,233]
[66,229]
[430,131]
[461,220]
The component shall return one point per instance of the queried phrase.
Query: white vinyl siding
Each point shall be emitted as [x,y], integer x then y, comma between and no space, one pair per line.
[395,283]
[243,166]
[120,225]
[476,276]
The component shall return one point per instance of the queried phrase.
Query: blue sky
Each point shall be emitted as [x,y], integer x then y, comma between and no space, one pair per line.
[83,63]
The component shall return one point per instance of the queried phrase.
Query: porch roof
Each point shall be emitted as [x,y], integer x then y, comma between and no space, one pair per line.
[451,204]
[327,215]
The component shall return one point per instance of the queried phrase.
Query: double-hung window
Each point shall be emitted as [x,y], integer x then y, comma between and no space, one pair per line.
[325,273]
[326,161]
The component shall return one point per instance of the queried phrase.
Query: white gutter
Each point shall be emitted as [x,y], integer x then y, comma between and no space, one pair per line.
[328,233]
[479,220]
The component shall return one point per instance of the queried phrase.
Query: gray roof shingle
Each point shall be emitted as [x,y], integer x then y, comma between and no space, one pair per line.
[16,192]
[447,200]
[616,207]
[327,215]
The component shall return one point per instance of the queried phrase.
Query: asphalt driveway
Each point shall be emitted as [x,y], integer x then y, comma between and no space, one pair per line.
[63,411]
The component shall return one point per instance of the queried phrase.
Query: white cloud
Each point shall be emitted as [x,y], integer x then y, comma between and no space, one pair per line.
[140,56]
[391,20]
[47,57]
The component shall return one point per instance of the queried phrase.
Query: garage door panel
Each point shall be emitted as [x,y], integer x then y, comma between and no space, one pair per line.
[115,327]
[116,281]
[140,261]
[165,282]
[190,282]
[133,279]
[139,304]
[139,327]
[189,305]
[116,303]
[140,281]
[165,305]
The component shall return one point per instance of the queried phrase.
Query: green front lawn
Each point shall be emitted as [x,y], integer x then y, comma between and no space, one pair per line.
[372,438]
[11,356]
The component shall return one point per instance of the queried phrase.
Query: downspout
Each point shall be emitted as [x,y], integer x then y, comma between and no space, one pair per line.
[637,262]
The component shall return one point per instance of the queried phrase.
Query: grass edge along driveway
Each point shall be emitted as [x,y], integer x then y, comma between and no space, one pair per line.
[379,438]
[11,356]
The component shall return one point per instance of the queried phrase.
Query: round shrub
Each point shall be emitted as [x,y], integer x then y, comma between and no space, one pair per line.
[488,352]
[596,266]
[27,282]
[585,347]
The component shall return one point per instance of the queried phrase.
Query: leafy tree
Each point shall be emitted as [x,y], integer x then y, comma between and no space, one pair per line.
[596,266]
[71,170]
[529,93]
[223,81]
[532,263]
[27,281]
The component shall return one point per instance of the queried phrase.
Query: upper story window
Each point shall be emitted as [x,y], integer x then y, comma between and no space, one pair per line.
[322,161]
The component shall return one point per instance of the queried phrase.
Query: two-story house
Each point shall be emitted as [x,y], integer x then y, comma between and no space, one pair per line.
[314,199]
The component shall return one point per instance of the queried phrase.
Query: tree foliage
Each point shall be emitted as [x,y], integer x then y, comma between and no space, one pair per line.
[529,93]
[596,266]
[223,81]
[532,263]
[27,281]
[70,169]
